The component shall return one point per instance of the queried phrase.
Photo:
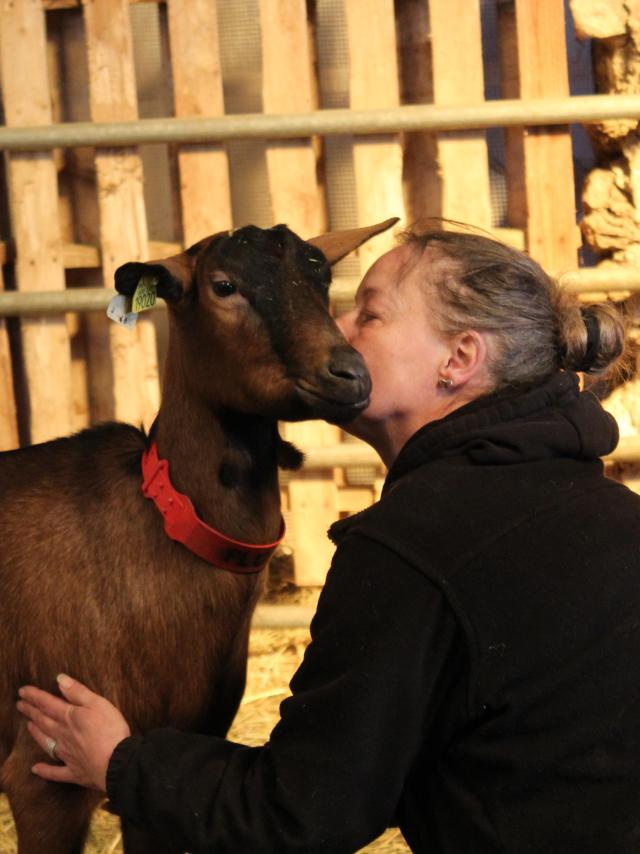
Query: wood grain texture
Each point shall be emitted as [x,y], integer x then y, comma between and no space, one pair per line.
[552,236]
[33,193]
[373,83]
[124,363]
[462,156]
[197,91]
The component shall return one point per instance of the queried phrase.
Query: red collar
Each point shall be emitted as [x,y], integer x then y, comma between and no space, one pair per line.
[181,523]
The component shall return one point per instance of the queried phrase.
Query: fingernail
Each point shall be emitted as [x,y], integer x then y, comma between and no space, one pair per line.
[63,680]
[20,692]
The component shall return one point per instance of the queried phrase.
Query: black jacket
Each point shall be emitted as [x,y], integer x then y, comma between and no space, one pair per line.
[474,671]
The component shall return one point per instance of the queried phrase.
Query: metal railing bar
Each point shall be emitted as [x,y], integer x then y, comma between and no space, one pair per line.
[411,117]
[26,303]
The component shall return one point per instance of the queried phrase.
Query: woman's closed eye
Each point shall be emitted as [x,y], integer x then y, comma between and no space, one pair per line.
[365,317]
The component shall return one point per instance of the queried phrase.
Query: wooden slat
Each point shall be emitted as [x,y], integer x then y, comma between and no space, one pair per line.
[297,200]
[422,180]
[291,164]
[8,415]
[355,498]
[127,385]
[197,91]
[65,43]
[373,83]
[548,159]
[80,162]
[34,202]
[458,78]
[75,4]
[513,136]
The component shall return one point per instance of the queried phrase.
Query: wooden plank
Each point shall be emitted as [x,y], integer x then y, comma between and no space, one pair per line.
[291,164]
[84,256]
[355,498]
[373,83]
[313,506]
[51,5]
[513,136]
[59,37]
[548,158]
[296,199]
[422,179]
[8,415]
[458,78]
[126,386]
[197,91]
[34,203]
[80,161]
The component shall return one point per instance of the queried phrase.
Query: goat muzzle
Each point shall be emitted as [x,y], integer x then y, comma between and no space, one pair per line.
[342,390]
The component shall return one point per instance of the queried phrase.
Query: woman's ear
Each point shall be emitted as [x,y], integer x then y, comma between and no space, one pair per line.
[467,360]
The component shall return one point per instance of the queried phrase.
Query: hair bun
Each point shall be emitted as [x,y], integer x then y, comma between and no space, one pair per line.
[592,347]
[594,337]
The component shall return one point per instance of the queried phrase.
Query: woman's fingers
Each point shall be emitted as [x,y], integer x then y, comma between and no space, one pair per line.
[47,704]
[43,739]
[41,721]
[85,727]
[57,773]
[77,693]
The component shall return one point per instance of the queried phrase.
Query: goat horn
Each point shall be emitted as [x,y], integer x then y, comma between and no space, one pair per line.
[336,244]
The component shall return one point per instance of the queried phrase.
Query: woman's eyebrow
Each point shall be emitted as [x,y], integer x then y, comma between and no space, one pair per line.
[368,293]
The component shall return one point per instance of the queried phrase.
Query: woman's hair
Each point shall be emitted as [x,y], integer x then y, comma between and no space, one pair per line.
[534,327]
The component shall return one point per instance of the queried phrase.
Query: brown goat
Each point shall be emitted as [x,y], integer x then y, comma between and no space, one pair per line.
[90,583]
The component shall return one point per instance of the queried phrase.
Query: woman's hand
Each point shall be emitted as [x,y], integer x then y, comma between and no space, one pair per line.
[82,732]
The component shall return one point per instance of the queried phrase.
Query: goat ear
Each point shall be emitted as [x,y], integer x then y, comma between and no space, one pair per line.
[174,274]
[336,244]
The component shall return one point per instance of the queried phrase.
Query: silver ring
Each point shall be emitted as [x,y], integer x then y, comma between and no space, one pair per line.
[51,747]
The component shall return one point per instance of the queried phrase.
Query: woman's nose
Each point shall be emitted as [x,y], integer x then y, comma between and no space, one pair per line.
[345,323]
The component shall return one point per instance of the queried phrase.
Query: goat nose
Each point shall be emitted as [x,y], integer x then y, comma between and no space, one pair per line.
[347,364]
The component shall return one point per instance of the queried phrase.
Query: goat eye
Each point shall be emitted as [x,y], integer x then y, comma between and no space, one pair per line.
[223,288]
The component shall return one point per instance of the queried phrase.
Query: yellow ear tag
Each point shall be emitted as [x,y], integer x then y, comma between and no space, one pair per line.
[144,296]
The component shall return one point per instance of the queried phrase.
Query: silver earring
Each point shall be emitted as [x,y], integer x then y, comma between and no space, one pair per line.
[445,382]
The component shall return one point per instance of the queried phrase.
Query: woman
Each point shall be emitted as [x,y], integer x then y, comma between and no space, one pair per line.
[474,671]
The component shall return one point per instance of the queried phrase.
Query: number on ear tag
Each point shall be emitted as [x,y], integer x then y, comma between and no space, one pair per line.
[144,296]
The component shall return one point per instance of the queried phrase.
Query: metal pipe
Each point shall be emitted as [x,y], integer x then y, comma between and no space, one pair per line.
[25,303]
[602,279]
[359,454]
[345,454]
[411,117]
[282,616]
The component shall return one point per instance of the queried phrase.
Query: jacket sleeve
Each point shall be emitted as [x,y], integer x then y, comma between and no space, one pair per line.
[385,648]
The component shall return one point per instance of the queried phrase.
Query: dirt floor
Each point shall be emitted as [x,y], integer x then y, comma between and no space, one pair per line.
[274,656]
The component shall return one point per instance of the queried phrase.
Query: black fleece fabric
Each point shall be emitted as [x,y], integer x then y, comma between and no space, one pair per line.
[474,670]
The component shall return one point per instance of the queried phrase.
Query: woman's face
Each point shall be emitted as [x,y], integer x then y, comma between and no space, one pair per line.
[391,327]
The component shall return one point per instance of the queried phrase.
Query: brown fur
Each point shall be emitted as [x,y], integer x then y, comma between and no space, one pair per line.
[89,582]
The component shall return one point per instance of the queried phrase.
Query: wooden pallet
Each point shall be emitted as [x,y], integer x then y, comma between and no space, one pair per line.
[77,215]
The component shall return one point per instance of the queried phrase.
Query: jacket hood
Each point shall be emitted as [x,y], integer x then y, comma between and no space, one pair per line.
[553,419]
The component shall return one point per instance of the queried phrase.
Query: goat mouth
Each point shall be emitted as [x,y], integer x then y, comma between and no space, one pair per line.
[331,408]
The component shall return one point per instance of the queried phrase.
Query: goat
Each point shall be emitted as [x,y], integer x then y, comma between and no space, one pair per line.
[91,584]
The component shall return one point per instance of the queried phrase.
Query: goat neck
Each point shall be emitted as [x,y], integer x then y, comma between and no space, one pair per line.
[226,462]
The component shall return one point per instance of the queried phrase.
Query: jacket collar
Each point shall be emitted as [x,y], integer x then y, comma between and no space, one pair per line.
[553,419]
